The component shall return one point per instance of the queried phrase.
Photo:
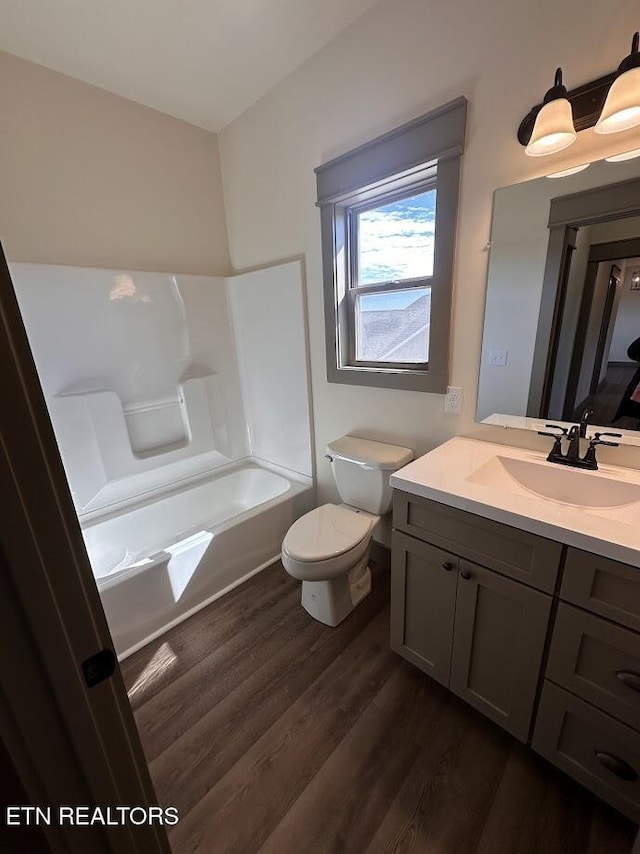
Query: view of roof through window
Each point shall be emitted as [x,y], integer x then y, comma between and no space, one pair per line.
[394,327]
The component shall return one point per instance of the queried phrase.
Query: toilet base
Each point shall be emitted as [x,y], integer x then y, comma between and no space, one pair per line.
[330,602]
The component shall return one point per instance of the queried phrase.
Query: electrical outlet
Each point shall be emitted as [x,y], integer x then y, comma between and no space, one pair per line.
[453,401]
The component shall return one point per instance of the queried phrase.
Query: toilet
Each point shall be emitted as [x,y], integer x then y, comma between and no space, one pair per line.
[328,548]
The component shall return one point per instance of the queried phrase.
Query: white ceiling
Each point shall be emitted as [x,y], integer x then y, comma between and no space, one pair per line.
[204,61]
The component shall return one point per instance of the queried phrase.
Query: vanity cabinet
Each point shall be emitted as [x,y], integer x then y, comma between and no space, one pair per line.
[542,638]
[478,631]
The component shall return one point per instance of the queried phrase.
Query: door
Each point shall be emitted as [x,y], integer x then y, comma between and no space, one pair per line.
[562,244]
[423,601]
[499,637]
[68,729]
[604,337]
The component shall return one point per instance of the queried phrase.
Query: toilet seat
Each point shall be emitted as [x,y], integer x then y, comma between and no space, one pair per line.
[325,532]
[326,542]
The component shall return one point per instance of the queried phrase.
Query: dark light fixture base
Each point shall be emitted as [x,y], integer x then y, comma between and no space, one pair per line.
[586,104]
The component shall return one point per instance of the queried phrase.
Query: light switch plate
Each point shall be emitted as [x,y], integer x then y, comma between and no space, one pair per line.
[498,358]
[453,401]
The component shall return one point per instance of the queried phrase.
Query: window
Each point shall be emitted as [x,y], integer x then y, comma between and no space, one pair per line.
[392,247]
[388,222]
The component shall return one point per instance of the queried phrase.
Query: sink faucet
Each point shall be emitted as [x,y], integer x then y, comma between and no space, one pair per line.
[584,422]
[574,434]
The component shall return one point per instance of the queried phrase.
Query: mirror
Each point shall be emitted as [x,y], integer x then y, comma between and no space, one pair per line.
[562,318]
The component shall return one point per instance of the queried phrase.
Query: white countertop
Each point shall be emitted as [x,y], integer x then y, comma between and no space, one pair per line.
[444,475]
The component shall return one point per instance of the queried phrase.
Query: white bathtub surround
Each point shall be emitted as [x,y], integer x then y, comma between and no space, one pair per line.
[181,409]
[160,561]
[269,320]
[140,375]
[142,378]
[592,510]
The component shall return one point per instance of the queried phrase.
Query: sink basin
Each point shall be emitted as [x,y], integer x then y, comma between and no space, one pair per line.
[556,483]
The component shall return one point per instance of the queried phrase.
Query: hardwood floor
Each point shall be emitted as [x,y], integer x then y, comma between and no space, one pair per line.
[606,400]
[274,734]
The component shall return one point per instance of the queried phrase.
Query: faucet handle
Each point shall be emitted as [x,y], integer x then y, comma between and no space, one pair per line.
[563,431]
[598,441]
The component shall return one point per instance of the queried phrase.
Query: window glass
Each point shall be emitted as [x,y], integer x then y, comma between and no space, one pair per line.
[393,326]
[395,241]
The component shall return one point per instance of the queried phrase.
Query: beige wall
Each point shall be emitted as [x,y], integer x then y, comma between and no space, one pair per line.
[89,178]
[405,57]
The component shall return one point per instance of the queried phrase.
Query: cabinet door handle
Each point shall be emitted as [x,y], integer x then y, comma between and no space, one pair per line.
[629,678]
[616,765]
[447,566]
[466,574]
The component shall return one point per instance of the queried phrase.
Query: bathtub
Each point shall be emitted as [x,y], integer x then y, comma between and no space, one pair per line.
[161,560]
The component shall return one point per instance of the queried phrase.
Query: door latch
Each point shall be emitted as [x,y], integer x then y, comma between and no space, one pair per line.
[99,667]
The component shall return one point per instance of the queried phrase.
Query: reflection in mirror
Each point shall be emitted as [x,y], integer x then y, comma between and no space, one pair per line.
[562,319]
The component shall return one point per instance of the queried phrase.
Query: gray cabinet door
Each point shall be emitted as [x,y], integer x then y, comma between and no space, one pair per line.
[423,601]
[499,638]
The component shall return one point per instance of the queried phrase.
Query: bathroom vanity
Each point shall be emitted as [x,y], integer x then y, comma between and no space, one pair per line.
[525,605]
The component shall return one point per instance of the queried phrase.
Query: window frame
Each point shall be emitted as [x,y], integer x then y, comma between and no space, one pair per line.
[396,164]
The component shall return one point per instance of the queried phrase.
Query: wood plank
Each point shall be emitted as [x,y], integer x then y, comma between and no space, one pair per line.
[190,641]
[523,820]
[609,831]
[191,766]
[375,756]
[240,812]
[447,795]
[182,703]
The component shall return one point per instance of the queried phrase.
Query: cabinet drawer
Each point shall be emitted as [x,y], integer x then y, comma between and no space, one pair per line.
[514,553]
[603,586]
[597,660]
[423,602]
[593,748]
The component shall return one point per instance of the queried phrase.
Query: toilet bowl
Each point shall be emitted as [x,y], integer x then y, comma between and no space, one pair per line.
[328,548]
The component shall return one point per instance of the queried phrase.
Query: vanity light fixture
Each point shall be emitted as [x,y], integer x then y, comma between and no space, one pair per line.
[573,170]
[608,104]
[626,155]
[553,130]
[621,110]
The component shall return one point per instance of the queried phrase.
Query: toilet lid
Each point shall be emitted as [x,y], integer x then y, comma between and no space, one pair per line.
[326,532]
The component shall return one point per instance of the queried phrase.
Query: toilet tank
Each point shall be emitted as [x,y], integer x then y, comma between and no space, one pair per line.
[362,468]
